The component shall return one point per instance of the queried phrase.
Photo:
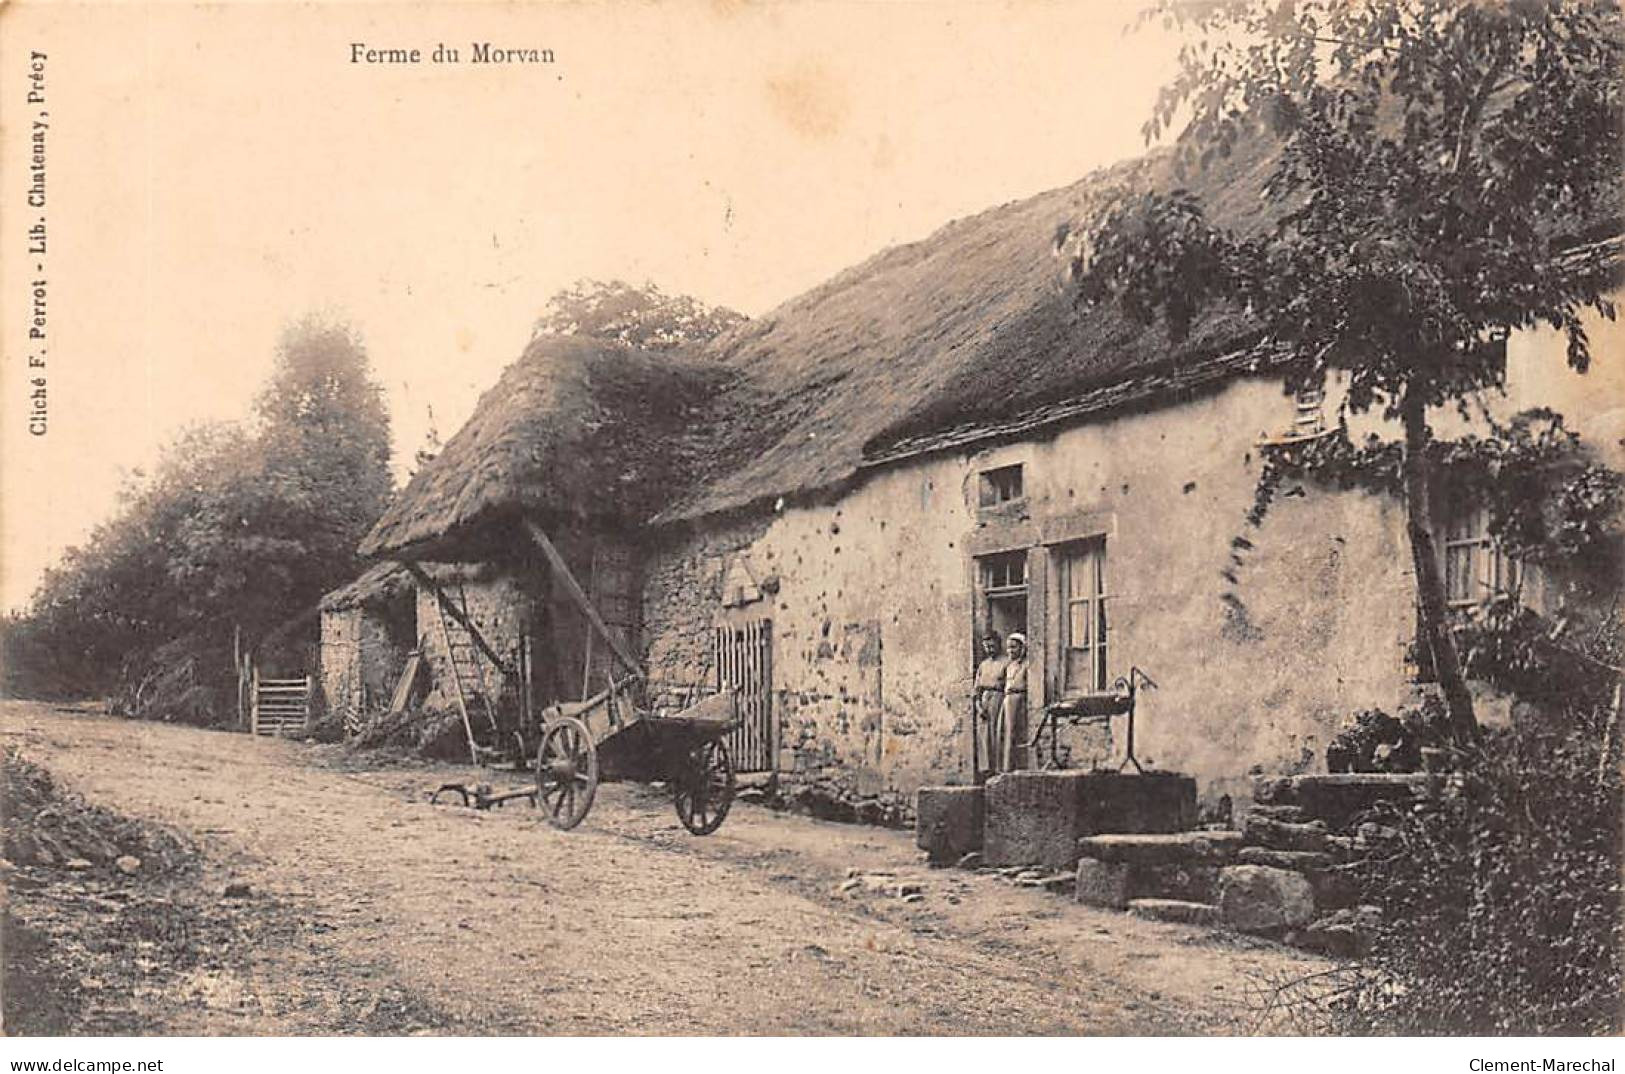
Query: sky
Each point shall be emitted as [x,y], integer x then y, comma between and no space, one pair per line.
[213,173]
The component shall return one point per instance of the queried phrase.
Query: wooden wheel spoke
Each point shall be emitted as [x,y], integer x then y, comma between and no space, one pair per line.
[566,772]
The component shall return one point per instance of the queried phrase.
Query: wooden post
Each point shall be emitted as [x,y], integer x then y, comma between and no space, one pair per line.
[237,668]
[254,701]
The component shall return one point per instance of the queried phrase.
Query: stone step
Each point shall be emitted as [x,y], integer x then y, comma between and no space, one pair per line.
[1179,848]
[1280,835]
[1337,798]
[1188,913]
[1113,885]
[1301,860]
[1291,814]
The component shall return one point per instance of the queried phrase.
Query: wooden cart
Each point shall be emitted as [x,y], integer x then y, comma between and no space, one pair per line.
[608,738]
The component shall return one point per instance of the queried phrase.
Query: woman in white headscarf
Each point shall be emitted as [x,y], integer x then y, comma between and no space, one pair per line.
[1015,701]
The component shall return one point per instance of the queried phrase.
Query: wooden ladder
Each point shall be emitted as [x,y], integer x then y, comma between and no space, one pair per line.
[281,706]
[459,650]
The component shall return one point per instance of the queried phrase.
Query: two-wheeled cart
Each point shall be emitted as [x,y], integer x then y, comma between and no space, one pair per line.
[608,738]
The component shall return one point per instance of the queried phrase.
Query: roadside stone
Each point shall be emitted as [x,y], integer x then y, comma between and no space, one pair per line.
[1258,898]
[1102,883]
[128,864]
[238,889]
[1178,910]
[973,860]
[849,884]
[1301,860]
[905,890]
[78,865]
[948,822]
[914,896]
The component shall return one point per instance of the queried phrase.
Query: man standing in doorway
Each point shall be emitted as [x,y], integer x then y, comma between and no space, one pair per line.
[989,703]
[1014,703]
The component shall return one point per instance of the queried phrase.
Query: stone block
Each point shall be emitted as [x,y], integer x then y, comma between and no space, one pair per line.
[1104,884]
[948,822]
[1036,818]
[1189,881]
[1338,798]
[1258,898]
[1163,849]
[1290,814]
[1033,818]
[1180,910]
[1334,889]
[1138,803]
[1278,835]
[1300,860]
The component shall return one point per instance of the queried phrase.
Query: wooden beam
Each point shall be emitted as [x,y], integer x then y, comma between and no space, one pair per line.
[573,587]
[422,577]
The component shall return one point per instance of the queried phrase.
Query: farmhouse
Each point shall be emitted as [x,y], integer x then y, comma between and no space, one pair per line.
[825,507]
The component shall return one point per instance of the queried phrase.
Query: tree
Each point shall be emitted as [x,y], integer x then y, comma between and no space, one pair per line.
[1440,167]
[235,528]
[644,316]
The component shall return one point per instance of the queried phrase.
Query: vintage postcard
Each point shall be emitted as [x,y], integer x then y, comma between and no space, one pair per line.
[717,518]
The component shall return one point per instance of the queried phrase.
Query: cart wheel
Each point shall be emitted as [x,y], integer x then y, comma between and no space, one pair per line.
[566,772]
[706,789]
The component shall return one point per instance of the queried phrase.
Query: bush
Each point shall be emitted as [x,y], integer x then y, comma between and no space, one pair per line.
[1501,901]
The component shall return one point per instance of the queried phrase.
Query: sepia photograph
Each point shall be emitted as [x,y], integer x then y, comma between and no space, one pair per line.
[812,518]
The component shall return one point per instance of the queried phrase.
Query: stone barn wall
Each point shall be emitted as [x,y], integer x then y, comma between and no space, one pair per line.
[360,661]
[498,605]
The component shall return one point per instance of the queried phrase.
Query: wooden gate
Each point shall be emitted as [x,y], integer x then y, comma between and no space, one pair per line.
[743,657]
[281,706]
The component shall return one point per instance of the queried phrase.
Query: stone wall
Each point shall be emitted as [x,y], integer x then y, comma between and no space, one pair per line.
[874,602]
[499,604]
[360,662]
[341,662]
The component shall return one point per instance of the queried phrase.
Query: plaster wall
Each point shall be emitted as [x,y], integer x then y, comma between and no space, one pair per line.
[873,600]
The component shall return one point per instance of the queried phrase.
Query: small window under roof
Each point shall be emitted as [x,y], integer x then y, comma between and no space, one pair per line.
[1000,485]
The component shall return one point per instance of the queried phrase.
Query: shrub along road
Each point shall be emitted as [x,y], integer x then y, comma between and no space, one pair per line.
[369,910]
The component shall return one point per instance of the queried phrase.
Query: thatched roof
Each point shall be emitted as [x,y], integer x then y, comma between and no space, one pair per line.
[971,324]
[577,427]
[376,584]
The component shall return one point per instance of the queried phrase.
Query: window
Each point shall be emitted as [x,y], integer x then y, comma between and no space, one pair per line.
[1474,569]
[1003,582]
[1005,571]
[1000,486]
[1083,617]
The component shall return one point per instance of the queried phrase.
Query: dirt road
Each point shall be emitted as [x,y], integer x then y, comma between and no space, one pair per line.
[467,922]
